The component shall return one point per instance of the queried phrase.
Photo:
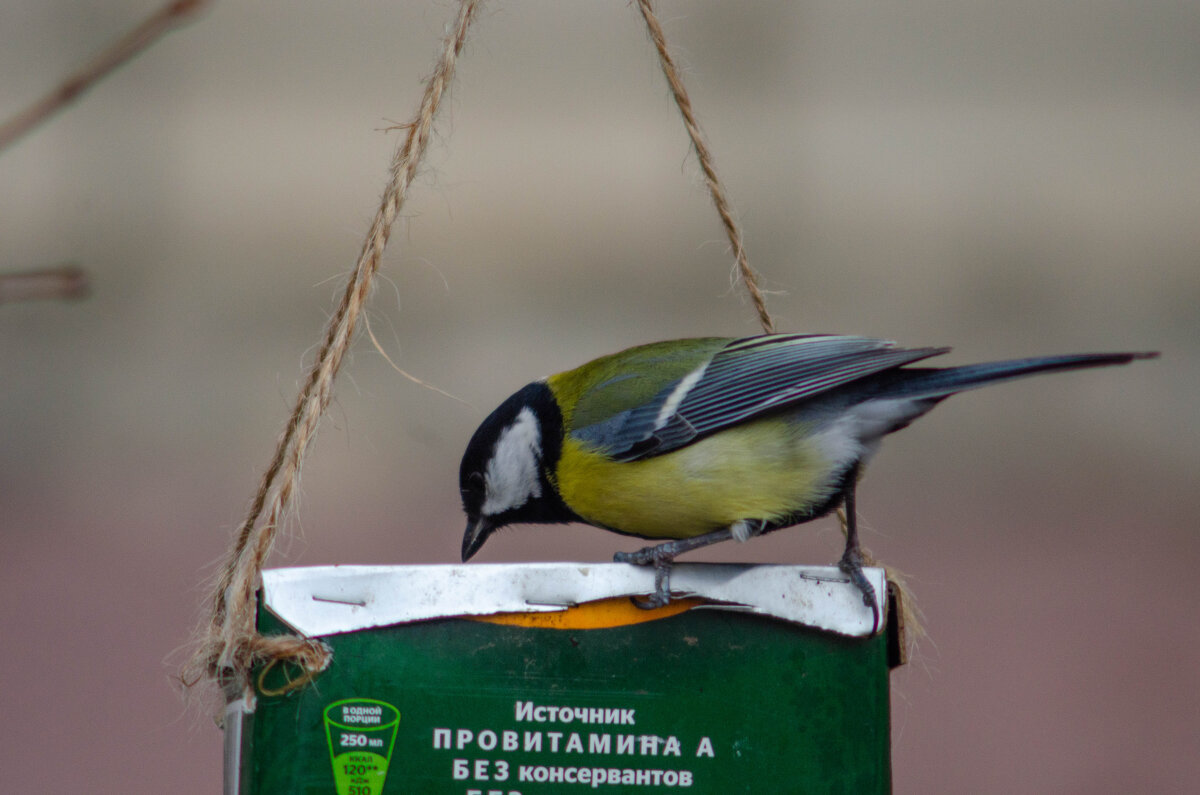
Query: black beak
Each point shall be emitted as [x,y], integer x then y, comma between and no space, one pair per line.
[478,531]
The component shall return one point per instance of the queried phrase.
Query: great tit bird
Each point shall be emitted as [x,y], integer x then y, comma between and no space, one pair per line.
[702,440]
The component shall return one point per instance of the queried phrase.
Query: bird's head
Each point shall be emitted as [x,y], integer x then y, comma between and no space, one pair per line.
[504,474]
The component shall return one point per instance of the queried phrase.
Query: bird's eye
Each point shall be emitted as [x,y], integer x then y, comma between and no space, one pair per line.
[475,480]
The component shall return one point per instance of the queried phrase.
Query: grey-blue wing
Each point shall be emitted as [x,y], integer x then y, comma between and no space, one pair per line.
[747,378]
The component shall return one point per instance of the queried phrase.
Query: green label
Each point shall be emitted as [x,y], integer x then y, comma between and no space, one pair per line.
[705,702]
[361,734]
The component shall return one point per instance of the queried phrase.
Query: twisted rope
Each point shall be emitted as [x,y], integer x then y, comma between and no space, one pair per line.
[749,276]
[231,644]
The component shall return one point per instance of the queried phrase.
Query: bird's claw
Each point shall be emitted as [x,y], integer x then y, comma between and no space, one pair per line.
[643,557]
[652,602]
[851,565]
[661,560]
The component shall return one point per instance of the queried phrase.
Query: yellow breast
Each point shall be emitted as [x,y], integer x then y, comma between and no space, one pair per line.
[760,470]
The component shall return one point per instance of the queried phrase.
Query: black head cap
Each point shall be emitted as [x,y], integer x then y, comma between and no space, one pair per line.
[503,476]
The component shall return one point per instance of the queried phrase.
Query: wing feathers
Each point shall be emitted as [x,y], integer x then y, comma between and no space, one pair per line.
[737,394]
[749,377]
[744,379]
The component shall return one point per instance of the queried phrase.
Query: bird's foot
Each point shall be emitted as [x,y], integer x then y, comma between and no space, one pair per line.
[852,565]
[661,557]
[643,557]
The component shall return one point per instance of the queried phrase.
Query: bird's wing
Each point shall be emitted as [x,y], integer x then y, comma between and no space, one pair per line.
[744,379]
[613,385]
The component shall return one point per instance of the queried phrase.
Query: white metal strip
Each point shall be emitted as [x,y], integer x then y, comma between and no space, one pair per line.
[328,600]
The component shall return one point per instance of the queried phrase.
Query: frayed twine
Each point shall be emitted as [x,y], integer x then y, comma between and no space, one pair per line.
[911,624]
[707,165]
[230,644]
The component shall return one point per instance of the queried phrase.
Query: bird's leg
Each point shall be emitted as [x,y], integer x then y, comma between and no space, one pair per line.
[852,559]
[662,556]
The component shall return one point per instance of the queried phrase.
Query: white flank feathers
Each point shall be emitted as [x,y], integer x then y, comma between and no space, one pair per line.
[856,434]
[742,531]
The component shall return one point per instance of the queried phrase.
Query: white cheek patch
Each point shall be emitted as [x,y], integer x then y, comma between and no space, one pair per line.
[512,473]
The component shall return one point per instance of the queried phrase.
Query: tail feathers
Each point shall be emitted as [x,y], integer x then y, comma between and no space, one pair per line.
[917,383]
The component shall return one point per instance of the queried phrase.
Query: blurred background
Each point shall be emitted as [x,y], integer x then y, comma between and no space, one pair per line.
[1012,179]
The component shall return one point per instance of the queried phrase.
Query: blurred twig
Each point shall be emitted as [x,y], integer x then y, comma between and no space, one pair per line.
[60,282]
[149,31]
